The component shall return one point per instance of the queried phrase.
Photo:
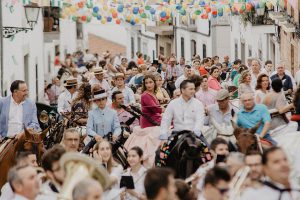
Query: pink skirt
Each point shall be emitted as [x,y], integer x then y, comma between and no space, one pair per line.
[148,140]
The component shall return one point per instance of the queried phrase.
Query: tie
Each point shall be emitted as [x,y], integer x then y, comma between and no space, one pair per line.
[274,187]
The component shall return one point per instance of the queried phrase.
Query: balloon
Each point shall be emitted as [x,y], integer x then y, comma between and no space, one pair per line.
[80,5]
[95,14]
[120,8]
[214,12]
[143,15]
[197,12]
[147,7]
[74,18]
[184,19]
[114,15]
[208,9]
[136,20]
[152,11]
[99,17]
[118,21]
[103,21]
[248,7]
[135,10]
[269,5]
[95,9]
[182,12]
[83,18]
[204,16]
[202,3]
[105,8]
[162,14]
[178,7]
[132,22]
[194,16]
[89,5]
[163,19]
[108,19]
[89,18]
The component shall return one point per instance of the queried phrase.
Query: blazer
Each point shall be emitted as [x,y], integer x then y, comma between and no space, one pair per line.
[29,115]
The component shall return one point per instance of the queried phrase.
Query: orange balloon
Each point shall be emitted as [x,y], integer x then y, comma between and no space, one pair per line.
[118,21]
[248,6]
[114,14]
[208,9]
[83,18]
[204,16]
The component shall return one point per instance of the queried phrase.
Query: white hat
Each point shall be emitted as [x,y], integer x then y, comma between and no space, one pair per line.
[99,94]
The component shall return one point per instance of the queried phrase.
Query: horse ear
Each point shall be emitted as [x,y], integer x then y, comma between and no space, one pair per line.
[44,133]
[237,130]
[26,132]
[254,129]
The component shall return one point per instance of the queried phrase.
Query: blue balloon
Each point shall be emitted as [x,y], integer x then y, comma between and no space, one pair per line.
[135,10]
[163,14]
[99,17]
[152,11]
[95,9]
[120,8]
[202,3]
[132,22]
[109,19]
[178,7]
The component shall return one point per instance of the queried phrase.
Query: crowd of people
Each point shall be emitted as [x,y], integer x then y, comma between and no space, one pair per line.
[154,100]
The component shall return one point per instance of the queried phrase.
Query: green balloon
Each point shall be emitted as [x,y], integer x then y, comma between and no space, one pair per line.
[143,15]
[243,7]
[89,18]
[74,18]
[197,12]
[95,14]
[147,7]
[169,20]
[182,12]
[89,5]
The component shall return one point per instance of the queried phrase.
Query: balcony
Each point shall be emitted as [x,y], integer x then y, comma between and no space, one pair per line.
[161,29]
[258,17]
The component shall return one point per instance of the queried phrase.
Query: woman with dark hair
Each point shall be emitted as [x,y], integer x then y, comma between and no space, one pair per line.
[184,191]
[147,134]
[262,87]
[213,81]
[138,173]
[275,99]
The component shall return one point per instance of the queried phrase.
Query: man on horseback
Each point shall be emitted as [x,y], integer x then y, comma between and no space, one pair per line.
[102,120]
[252,114]
[17,110]
[186,112]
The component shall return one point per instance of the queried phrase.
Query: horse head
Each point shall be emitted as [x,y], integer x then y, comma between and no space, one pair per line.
[32,141]
[246,139]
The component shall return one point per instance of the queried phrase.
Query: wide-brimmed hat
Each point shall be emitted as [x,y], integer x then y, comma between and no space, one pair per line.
[99,94]
[98,70]
[155,62]
[119,75]
[222,94]
[70,82]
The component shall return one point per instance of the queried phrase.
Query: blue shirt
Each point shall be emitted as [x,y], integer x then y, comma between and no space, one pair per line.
[102,122]
[250,119]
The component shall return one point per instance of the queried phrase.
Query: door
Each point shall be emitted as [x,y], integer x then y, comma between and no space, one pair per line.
[243,52]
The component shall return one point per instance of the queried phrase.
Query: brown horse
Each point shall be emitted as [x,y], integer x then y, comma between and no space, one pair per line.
[30,140]
[246,140]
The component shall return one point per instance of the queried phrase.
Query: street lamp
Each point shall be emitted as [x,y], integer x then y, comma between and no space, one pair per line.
[32,14]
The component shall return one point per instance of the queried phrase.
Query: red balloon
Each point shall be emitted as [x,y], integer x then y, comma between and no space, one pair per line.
[114,14]
[204,16]
[248,6]
[83,18]
[118,21]
[167,17]
[214,12]
[163,19]
[208,9]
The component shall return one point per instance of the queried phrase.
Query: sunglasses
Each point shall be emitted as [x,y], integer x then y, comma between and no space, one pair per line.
[102,99]
[223,191]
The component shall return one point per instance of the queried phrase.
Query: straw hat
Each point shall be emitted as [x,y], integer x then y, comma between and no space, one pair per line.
[70,82]
[98,70]
[119,75]
[99,94]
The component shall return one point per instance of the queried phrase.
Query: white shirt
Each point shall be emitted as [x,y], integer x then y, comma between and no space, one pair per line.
[297,77]
[267,193]
[179,80]
[186,115]
[19,197]
[104,84]
[6,192]
[64,101]
[15,118]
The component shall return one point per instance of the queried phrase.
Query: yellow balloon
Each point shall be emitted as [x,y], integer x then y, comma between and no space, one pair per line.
[105,7]
[172,2]
[137,20]
[103,21]
[194,16]
[73,9]
[184,6]
[184,19]
[227,9]
[143,21]
[128,18]
[269,5]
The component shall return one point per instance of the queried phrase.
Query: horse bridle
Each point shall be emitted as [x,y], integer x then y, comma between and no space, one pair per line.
[34,145]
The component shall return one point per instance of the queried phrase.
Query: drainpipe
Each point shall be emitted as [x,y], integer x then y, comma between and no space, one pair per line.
[1,51]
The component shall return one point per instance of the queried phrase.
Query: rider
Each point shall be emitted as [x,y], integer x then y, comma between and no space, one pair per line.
[102,120]
[123,115]
[65,99]
[120,86]
[252,114]
[17,110]
[186,112]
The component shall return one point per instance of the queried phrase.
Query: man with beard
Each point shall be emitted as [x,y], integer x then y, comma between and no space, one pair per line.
[17,111]
[54,172]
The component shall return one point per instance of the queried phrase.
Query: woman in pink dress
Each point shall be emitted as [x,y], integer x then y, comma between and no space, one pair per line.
[146,136]
[213,81]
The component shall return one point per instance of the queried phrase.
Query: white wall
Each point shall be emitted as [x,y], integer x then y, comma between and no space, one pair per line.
[14,50]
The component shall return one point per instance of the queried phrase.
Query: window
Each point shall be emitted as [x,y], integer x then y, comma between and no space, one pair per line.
[204,50]
[161,50]
[236,49]
[249,51]
[79,31]
[51,19]
[182,47]
[139,44]
[36,84]
[193,48]
[132,47]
